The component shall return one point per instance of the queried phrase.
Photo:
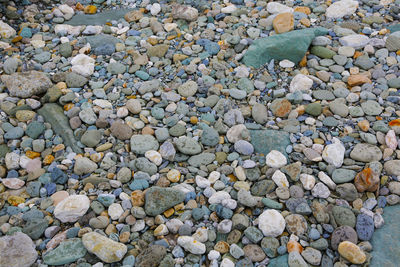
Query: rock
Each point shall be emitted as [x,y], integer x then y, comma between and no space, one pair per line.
[191,245]
[295,259]
[10,65]
[366,153]
[341,8]
[104,248]
[334,153]
[264,141]
[357,41]
[17,249]
[121,130]
[358,79]
[188,146]
[6,31]
[67,252]
[393,41]
[283,22]
[84,166]
[392,167]
[271,223]
[275,159]
[91,138]
[72,208]
[296,224]
[364,227]
[300,82]
[290,45]
[54,115]
[35,227]
[184,12]
[26,84]
[140,144]
[259,113]
[83,64]
[75,80]
[351,252]
[366,180]
[99,18]
[160,199]
[276,8]
[151,256]
[188,89]
[343,233]
[254,252]
[344,216]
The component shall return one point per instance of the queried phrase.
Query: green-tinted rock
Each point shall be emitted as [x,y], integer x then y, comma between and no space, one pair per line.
[101,39]
[54,114]
[322,52]
[388,234]
[201,159]
[14,110]
[281,261]
[35,227]
[264,141]
[394,28]
[344,216]
[34,129]
[160,199]
[340,176]
[3,150]
[269,203]
[67,252]
[291,45]
[314,109]
[52,95]
[65,49]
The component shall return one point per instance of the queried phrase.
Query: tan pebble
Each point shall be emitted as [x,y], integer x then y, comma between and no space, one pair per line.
[283,22]
[25,115]
[174,175]
[351,252]
[124,237]
[57,197]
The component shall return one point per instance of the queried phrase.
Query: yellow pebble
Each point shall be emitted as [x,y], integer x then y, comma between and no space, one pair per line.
[48,159]
[194,120]
[168,213]
[174,175]
[68,106]
[90,9]
[32,154]
[15,200]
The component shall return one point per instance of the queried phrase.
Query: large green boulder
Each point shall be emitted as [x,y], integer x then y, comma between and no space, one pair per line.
[291,45]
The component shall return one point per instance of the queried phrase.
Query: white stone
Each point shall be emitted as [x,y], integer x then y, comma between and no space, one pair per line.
[191,245]
[326,180]
[103,247]
[229,9]
[72,30]
[12,160]
[103,103]
[341,8]
[242,72]
[347,51]
[154,157]
[234,133]
[275,159]
[214,176]
[202,182]
[276,8]
[356,41]
[6,31]
[201,234]
[334,153]
[72,208]
[174,225]
[66,9]
[225,226]
[280,179]
[307,180]
[38,43]
[227,263]
[320,190]
[300,82]
[286,64]
[83,65]
[217,197]
[115,211]
[155,9]
[240,173]
[84,166]
[271,223]
[229,203]
[213,255]
[391,140]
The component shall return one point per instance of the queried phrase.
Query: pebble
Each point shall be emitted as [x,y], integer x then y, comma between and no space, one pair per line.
[104,248]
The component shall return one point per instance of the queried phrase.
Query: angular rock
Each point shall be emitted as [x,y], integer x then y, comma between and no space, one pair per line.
[160,199]
[104,248]
[17,250]
[26,84]
[72,208]
[67,252]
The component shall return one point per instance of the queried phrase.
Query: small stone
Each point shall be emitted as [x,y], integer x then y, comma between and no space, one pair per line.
[271,223]
[191,245]
[72,208]
[275,159]
[351,252]
[283,22]
[104,248]
[17,250]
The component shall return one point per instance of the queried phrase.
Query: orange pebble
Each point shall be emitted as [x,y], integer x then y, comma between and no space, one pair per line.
[169,212]
[90,9]
[364,125]
[16,39]
[68,106]
[194,120]
[79,6]
[32,154]
[395,122]
[48,159]
[303,62]
[294,246]
[358,54]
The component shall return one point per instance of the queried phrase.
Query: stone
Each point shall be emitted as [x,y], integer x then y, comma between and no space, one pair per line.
[104,248]
[17,250]
[67,252]
[393,41]
[364,227]
[351,252]
[271,223]
[35,227]
[343,233]
[188,89]
[191,245]
[54,115]
[254,252]
[357,41]
[10,65]
[295,259]
[334,153]
[392,167]
[358,79]
[72,208]
[343,175]
[259,113]
[283,22]
[84,166]
[188,146]
[366,180]
[290,45]
[151,256]
[264,141]
[121,130]
[275,159]
[140,144]
[300,82]
[341,8]
[296,224]
[99,18]
[366,153]
[184,12]
[6,31]
[83,65]
[26,84]
[344,216]
[160,199]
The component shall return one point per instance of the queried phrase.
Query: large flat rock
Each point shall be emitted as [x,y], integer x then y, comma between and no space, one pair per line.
[266,140]
[385,240]
[98,18]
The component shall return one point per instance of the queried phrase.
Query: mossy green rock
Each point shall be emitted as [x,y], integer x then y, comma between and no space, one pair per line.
[160,199]
[67,252]
[314,109]
[291,45]
[264,141]
[322,52]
